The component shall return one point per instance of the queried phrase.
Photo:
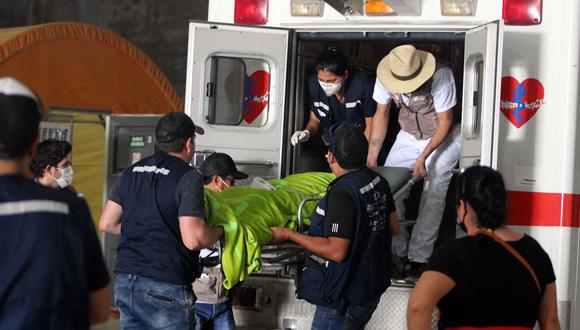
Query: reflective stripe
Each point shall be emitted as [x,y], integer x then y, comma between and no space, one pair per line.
[352,104]
[151,169]
[370,185]
[321,105]
[31,206]
[320,211]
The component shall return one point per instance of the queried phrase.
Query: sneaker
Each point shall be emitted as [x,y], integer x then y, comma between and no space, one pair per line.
[398,270]
[415,272]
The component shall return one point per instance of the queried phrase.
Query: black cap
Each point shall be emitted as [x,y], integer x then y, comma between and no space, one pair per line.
[220,164]
[349,145]
[174,126]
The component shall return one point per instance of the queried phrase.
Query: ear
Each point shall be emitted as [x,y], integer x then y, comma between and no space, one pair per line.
[330,158]
[345,76]
[32,150]
[189,145]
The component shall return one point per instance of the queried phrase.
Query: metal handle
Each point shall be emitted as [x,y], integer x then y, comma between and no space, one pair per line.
[267,163]
[407,186]
[304,201]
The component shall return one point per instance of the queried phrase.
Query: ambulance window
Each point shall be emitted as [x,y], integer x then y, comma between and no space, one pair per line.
[236,91]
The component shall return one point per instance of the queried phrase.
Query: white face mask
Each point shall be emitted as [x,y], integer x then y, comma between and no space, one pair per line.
[330,88]
[66,177]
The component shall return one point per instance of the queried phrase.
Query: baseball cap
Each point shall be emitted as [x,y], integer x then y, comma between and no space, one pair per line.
[176,125]
[21,111]
[349,145]
[220,164]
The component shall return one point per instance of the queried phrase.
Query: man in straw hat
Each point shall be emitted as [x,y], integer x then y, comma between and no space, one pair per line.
[424,91]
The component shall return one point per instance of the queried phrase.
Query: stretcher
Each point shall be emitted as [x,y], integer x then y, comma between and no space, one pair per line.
[281,261]
[247,213]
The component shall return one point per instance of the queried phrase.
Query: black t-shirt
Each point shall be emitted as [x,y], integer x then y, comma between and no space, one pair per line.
[187,195]
[340,214]
[50,257]
[492,288]
[153,194]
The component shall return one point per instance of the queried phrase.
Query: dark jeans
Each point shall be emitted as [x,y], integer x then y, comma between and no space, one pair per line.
[218,316]
[148,304]
[351,317]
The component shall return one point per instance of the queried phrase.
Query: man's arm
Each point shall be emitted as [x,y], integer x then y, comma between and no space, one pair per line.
[110,221]
[394,223]
[380,123]
[99,305]
[445,124]
[368,127]
[196,234]
[331,248]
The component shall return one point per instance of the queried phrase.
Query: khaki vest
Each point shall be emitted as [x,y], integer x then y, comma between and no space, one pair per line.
[419,118]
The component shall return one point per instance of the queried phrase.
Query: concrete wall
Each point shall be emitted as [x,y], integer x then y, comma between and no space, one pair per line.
[157,27]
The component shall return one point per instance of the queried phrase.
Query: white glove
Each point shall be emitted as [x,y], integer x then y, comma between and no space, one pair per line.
[299,137]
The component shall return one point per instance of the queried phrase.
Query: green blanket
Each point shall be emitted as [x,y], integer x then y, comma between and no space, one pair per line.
[247,213]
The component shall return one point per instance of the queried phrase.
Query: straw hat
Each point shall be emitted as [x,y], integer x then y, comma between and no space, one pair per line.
[405,69]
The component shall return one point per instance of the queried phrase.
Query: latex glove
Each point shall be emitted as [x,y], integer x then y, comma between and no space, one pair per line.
[299,137]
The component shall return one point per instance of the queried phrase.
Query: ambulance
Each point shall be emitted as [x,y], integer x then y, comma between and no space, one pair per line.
[516,68]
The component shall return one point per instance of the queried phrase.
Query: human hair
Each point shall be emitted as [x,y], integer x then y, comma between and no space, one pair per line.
[332,60]
[173,145]
[49,152]
[349,145]
[19,125]
[483,188]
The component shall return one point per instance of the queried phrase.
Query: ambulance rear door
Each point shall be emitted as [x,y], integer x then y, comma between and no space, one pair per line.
[236,91]
[481,95]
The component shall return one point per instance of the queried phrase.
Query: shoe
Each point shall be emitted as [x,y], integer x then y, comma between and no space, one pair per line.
[398,268]
[415,272]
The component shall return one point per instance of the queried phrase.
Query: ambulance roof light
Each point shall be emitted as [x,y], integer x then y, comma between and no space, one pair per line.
[252,12]
[378,7]
[522,12]
[306,7]
[458,7]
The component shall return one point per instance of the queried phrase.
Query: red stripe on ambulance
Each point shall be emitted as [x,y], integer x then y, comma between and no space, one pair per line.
[543,209]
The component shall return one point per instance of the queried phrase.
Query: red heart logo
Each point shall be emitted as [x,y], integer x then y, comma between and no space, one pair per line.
[520,101]
[256,95]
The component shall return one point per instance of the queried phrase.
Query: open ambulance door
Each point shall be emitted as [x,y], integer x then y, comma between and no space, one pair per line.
[481,95]
[236,90]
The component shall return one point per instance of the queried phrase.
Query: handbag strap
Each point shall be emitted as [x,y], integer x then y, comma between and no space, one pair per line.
[488,232]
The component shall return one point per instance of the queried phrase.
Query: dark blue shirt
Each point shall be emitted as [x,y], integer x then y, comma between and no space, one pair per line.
[153,194]
[50,257]
[358,101]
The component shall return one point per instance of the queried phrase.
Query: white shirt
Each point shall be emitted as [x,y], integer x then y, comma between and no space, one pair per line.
[442,90]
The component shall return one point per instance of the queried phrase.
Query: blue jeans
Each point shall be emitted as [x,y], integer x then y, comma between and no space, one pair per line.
[217,316]
[148,304]
[350,317]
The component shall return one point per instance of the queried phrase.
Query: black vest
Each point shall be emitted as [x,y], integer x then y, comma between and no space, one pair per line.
[366,271]
[151,243]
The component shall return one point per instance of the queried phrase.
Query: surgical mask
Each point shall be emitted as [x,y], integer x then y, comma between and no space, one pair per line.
[66,177]
[330,88]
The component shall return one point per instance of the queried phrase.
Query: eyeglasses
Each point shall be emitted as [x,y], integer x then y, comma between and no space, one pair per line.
[229,181]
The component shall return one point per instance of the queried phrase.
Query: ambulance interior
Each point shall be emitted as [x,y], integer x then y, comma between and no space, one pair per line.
[364,53]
